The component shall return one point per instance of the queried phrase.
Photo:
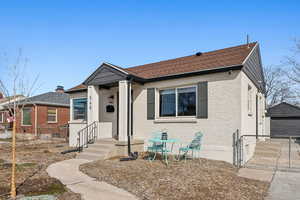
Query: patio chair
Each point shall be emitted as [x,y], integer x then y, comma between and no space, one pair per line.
[155,147]
[193,147]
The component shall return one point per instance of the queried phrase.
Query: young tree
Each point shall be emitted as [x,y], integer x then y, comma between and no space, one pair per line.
[278,87]
[13,84]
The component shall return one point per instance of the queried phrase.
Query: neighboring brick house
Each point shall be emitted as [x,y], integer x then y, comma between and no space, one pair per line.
[44,115]
[4,114]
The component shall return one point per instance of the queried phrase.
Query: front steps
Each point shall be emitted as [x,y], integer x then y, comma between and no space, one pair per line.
[97,151]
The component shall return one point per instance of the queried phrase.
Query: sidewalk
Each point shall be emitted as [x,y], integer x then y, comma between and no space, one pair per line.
[271,163]
[68,173]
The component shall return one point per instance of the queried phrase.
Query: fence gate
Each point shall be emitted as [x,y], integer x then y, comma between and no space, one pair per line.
[270,153]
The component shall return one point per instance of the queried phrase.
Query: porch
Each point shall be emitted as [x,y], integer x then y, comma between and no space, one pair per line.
[107,104]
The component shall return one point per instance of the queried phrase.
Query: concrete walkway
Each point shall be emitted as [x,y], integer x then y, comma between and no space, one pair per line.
[68,173]
[271,163]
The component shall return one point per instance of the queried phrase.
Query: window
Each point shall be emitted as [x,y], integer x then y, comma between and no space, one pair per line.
[1,117]
[52,115]
[178,102]
[186,101]
[26,116]
[249,100]
[167,103]
[80,109]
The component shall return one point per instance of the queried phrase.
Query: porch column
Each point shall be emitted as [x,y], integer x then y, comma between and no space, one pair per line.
[124,109]
[93,104]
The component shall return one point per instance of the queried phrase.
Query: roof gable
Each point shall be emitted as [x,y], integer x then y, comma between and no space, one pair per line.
[284,110]
[105,74]
[252,67]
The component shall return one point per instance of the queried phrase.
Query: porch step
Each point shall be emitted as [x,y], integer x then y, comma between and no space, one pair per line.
[94,150]
[98,150]
[90,157]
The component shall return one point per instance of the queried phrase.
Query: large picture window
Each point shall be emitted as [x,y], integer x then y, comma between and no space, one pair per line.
[177,102]
[80,109]
[52,115]
[26,116]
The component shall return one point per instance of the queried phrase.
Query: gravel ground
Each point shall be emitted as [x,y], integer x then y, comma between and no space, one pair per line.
[33,157]
[195,179]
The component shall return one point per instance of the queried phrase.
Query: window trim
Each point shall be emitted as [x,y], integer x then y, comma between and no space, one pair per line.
[176,102]
[72,109]
[22,117]
[52,122]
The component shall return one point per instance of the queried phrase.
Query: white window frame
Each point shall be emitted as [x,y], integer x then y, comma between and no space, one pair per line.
[176,101]
[72,109]
[52,122]
[250,100]
[22,124]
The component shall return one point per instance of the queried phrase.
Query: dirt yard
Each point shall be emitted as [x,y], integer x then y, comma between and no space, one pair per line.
[193,180]
[33,157]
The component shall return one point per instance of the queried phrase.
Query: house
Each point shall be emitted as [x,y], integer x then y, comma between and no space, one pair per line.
[43,115]
[4,114]
[216,92]
[284,120]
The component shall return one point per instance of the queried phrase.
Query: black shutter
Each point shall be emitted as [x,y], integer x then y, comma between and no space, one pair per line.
[202,108]
[150,103]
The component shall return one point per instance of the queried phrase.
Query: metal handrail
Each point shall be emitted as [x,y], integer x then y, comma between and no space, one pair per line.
[87,135]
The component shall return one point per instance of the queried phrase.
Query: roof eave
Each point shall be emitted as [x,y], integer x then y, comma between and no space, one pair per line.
[194,73]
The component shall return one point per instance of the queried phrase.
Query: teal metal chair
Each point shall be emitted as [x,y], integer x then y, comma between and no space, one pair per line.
[155,147]
[193,147]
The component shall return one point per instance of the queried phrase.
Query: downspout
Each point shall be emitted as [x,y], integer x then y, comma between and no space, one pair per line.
[128,116]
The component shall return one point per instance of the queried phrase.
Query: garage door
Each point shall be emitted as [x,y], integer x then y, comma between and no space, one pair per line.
[285,126]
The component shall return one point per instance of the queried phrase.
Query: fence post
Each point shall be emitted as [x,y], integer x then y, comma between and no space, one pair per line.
[234,148]
[238,148]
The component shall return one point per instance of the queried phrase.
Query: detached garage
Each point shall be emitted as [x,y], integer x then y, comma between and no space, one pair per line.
[284,120]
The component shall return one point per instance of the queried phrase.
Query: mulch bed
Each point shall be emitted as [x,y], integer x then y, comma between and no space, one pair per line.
[33,158]
[193,180]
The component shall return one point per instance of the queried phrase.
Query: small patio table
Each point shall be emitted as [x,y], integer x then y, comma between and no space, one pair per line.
[164,150]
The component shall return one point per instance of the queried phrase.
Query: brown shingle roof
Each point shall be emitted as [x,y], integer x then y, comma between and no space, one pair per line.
[232,56]
[209,60]
[77,88]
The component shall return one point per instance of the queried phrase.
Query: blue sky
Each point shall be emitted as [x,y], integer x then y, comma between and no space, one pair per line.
[66,40]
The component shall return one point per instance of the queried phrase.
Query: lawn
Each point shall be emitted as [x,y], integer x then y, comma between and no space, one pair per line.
[193,180]
[33,157]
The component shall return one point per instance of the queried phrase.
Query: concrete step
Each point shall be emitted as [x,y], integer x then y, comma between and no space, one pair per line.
[101,145]
[90,156]
[106,141]
[96,151]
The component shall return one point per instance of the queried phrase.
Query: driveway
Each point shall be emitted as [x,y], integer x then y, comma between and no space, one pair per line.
[271,163]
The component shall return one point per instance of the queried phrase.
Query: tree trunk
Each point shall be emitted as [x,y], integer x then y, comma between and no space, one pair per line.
[13,169]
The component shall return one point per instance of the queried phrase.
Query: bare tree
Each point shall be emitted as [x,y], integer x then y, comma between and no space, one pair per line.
[278,87]
[13,84]
[294,62]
